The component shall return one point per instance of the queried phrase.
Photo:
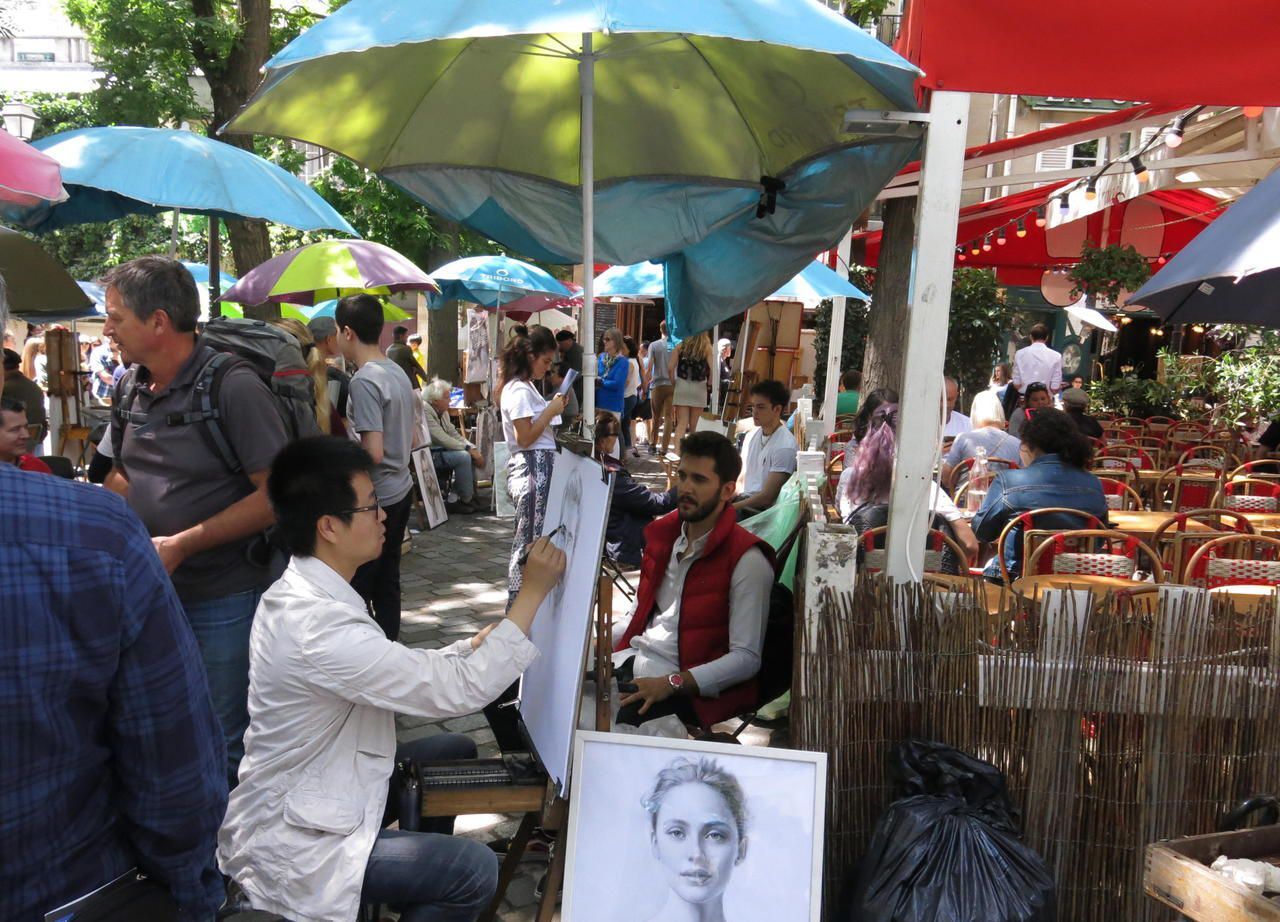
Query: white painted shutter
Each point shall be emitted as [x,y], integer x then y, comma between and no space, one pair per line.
[1057,159]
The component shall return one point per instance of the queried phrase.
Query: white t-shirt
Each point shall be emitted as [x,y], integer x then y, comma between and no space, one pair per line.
[958,424]
[633,379]
[1037,362]
[764,455]
[521,401]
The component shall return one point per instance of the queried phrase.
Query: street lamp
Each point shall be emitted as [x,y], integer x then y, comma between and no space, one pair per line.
[19,120]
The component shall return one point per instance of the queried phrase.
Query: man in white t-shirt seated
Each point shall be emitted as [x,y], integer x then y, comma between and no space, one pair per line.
[769,452]
[957,423]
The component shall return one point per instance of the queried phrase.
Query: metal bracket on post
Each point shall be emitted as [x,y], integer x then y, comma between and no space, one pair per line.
[882,123]
[920,409]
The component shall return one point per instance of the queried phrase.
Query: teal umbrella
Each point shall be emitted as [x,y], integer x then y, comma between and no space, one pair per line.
[688,117]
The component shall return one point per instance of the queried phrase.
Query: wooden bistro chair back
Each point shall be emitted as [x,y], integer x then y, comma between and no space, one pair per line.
[1266,469]
[1113,454]
[1249,495]
[1235,560]
[1175,543]
[1094,552]
[1217,457]
[1188,488]
[1121,469]
[960,473]
[872,555]
[1160,425]
[1119,494]
[1154,446]
[1036,525]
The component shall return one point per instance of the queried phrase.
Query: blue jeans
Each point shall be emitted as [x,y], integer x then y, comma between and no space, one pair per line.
[222,629]
[464,474]
[431,876]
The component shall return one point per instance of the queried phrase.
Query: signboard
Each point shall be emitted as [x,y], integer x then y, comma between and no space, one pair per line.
[1076,103]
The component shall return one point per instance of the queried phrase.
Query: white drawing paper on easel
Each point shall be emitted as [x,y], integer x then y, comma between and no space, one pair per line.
[503,507]
[551,690]
[429,484]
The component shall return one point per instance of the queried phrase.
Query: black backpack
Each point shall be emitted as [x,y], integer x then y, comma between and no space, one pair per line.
[273,354]
[692,369]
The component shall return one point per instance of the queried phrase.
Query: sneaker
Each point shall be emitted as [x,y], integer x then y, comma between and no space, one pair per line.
[460,508]
[537,848]
[541,887]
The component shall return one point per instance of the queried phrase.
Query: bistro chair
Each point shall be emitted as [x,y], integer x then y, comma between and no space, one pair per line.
[1140,458]
[1249,494]
[943,553]
[1160,425]
[1266,469]
[1122,469]
[1212,456]
[1154,446]
[1176,543]
[1094,552]
[1119,494]
[1235,560]
[1023,526]
[1187,488]
[960,473]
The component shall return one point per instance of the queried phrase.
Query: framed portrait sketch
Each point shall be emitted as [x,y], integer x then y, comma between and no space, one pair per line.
[502,505]
[674,829]
[429,484]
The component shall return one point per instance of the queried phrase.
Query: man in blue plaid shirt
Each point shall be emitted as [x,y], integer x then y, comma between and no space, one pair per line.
[112,756]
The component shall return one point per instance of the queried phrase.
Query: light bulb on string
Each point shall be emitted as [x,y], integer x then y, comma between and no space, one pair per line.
[1064,204]
[1041,218]
[986,244]
[1022,228]
[1161,259]
[1001,237]
[1157,331]
[960,254]
[1197,328]
[1173,136]
[1140,171]
[1252,111]
[1091,189]
[974,248]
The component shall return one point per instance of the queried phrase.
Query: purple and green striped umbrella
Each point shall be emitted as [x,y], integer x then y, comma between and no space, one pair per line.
[330,269]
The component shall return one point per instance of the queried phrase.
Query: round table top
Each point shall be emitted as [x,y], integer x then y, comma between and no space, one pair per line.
[1029,585]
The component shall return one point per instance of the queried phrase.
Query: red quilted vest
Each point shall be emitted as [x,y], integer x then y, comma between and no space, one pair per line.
[704,608]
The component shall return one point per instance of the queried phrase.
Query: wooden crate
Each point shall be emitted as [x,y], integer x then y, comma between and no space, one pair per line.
[1178,875]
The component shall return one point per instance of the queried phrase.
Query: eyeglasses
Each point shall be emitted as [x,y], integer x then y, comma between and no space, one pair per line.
[357,510]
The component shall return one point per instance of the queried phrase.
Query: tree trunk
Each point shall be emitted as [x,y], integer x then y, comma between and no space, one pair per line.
[232,79]
[882,364]
[440,333]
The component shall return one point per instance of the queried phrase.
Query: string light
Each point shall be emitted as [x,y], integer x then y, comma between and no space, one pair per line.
[1125,321]
[986,244]
[1041,219]
[961,255]
[1091,189]
[1064,204]
[1157,331]
[1022,228]
[1139,169]
[1197,328]
[974,248]
[1001,238]
[1161,259]
[1253,111]
[1173,136]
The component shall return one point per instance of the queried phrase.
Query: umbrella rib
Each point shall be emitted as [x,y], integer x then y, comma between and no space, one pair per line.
[737,108]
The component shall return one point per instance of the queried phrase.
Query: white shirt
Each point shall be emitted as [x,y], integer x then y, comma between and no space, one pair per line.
[763,455]
[1037,362]
[521,401]
[657,648]
[325,685]
[633,379]
[957,424]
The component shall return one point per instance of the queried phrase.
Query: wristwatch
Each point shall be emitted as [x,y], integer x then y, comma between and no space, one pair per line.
[676,681]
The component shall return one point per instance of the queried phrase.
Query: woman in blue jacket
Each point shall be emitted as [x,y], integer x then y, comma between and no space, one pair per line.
[612,366]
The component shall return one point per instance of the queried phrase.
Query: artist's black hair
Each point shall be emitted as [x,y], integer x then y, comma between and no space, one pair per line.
[310,478]
[363,315]
[719,449]
[774,391]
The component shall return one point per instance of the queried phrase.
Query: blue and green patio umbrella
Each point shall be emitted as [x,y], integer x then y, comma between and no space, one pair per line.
[492,281]
[815,283]
[575,129]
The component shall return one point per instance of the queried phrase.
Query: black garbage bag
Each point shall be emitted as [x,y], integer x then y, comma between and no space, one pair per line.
[949,850]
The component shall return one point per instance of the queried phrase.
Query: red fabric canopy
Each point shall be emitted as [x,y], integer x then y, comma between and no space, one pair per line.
[1176,52]
[1153,223]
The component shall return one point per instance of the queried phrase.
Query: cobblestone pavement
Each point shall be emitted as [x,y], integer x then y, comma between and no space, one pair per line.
[454,582]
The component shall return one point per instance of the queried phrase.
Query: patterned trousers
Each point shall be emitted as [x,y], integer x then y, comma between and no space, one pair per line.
[528,482]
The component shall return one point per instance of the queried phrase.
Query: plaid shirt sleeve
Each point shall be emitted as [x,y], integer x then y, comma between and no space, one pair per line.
[167,744]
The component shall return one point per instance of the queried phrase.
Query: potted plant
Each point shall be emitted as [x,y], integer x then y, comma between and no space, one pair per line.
[1107,273]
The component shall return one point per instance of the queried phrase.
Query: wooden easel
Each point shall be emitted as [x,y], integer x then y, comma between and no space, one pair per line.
[538,801]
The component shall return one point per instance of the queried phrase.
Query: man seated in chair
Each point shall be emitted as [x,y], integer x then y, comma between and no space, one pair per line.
[693,642]
[449,449]
[13,437]
[769,452]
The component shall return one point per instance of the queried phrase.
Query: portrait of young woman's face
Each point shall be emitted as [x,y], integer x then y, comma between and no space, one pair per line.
[696,841]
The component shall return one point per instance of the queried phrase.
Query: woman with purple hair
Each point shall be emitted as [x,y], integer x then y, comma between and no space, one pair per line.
[865,493]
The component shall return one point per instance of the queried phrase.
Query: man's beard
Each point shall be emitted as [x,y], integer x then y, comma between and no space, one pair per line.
[698,513]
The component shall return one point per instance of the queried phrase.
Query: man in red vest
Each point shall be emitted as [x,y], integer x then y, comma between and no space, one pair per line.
[13,437]
[692,647]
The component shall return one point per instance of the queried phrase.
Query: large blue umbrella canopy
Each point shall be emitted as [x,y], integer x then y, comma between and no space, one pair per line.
[122,170]
[701,111]
[648,280]
[1230,272]
[492,281]
[200,272]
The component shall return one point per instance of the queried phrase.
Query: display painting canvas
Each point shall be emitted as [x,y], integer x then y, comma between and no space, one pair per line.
[551,689]
[674,829]
[432,498]
[486,427]
[502,505]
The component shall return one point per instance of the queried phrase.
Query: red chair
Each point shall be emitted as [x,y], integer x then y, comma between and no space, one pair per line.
[1212,566]
[1033,521]
[1249,494]
[1076,553]
[1126,452]
[1160,425]
[873,556]
[1267,469]
[1188,489]
[1119,494]
[1176,543]
[1212,456]
[961,470]
[1123,469]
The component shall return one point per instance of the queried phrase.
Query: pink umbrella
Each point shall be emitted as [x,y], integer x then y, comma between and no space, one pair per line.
[28,177]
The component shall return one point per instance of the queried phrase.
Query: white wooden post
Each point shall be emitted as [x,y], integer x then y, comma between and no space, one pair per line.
[920,410]
[835,341]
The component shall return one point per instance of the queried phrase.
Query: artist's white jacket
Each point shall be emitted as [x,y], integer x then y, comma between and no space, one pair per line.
[324,687]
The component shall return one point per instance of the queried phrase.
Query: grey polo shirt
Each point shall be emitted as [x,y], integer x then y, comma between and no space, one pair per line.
[177,480]
[382,401]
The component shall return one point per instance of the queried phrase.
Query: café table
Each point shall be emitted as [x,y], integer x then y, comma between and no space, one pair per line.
[1248,599]
[1143,523]
[1029,586]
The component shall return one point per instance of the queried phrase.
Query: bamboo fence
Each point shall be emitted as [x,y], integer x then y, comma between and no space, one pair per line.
[1117,721]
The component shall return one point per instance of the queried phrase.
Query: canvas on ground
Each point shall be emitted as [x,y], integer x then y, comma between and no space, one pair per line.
[432,500]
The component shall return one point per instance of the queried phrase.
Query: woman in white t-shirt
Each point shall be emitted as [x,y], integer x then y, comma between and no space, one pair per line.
[636,381]
[526,422]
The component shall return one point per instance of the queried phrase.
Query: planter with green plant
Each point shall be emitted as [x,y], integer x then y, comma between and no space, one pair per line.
[1105,273]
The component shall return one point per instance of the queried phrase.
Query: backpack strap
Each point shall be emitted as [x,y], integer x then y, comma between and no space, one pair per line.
[204,408]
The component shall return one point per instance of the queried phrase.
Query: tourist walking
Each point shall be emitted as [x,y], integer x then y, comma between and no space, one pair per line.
[690,368]
[661,387]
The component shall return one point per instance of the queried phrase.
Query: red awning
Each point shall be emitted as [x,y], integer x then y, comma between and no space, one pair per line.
[1160,222]
[1177,52]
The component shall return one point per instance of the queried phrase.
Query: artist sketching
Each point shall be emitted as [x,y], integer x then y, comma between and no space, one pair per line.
[698,833]
[303,832]
[693,641]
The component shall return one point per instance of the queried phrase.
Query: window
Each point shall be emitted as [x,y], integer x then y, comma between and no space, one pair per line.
[1076,156]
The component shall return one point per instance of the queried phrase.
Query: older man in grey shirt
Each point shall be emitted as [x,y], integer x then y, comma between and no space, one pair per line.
[382,411]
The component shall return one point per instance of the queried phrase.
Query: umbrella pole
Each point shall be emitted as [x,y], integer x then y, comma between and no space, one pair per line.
[215,267]
[173,234]
[586,74]
[715,370]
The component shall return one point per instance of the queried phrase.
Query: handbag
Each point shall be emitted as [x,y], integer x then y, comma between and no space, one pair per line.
[643,410]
